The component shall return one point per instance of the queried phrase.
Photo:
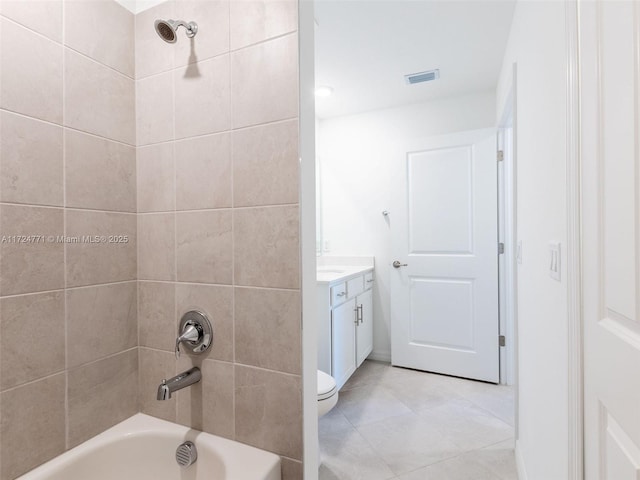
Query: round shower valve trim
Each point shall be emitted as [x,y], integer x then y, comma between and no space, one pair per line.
[195,333]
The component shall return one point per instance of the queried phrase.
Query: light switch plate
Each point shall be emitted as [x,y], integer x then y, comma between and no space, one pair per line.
[554,260]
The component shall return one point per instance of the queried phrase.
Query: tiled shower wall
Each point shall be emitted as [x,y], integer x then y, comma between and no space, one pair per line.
[68,337]
[216,192]
[217,123]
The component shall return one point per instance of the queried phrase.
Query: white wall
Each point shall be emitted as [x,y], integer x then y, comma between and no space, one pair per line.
[537,45]
[359,155]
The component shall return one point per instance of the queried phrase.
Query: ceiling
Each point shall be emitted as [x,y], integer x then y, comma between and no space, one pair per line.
[365,47]
[137,6]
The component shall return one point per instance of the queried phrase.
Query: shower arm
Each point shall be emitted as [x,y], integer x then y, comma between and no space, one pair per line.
[191,27]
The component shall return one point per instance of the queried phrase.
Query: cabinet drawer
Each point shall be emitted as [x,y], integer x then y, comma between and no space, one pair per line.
[338,294]
[355,286]
[368,280]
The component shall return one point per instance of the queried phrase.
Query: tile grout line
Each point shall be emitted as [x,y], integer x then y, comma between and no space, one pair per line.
[64,229]
[233,233]
[175,212]
[66,127]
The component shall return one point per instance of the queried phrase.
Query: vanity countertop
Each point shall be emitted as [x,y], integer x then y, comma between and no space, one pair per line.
[336,273]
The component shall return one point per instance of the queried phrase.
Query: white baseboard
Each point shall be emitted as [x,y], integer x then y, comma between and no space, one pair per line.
[522,472]
[380,356]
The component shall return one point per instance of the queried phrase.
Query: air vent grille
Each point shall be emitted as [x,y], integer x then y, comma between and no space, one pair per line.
[421,77]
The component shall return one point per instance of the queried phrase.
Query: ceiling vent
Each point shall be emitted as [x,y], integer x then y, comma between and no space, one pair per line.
[421,77]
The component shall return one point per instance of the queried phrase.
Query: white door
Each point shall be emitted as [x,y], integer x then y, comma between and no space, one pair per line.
[364,330]
[610,152]
[444,302]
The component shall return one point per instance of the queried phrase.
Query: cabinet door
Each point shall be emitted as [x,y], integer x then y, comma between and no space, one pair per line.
[364,330]
[343,352]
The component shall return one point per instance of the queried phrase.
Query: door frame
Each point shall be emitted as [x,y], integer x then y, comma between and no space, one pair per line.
[507,234]
[574,248]
[573,256]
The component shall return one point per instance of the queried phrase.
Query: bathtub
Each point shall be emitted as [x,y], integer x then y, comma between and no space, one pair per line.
[143,448]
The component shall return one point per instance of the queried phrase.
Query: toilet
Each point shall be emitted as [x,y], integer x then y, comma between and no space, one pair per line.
[327,393]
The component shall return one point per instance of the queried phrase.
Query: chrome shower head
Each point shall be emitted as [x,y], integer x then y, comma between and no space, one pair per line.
[167,29]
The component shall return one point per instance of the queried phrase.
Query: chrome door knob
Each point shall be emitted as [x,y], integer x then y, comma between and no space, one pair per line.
[397,264]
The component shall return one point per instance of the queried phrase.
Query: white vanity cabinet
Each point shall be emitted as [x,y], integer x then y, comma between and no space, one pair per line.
[345,329]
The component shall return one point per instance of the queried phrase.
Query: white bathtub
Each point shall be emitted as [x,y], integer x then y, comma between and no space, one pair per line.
[143,448]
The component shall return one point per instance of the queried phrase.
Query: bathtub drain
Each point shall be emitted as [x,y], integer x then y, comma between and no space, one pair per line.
[186,454]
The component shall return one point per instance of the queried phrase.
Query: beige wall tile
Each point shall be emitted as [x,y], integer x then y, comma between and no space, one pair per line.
[254,21]
[42,16]
[99,174]
[267,329]
[204,246]
[155,366]
[208,405]
[153,55]
[31,266]
[266,250]
[103,262]
[202,93]
[291,469]
[31,166]
[157,322]
[217,302]
[101,321]
[98,100]
[212,17]
[203,172]
[156,178]
[154,108]
[102,394]
[266,164]
[269,410]
[32,427]
[102,30]
[265,82]
[42,314]
[30,73]
[156,246]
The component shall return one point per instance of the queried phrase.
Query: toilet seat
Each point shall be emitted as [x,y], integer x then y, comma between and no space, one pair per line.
[327,393]
[326,386]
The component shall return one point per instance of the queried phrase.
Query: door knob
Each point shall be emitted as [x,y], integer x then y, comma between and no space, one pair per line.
[397,264]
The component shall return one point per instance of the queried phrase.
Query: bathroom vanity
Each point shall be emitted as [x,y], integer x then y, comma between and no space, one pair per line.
[345,315]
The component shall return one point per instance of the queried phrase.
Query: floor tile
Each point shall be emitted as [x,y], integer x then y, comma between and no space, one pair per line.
[368,404]
[333,422]
[463,467]
[408,442]
[419,426]
[466,425]
[346,455]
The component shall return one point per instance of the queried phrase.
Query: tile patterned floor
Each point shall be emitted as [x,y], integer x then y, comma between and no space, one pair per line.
[397,424]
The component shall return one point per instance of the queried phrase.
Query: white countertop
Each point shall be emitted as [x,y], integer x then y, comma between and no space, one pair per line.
[336,273]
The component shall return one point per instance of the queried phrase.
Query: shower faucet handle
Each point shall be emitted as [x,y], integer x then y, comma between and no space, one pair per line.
[190,334]
[196,333]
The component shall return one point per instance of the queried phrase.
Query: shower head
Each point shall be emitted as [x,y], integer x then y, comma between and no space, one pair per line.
[167,29]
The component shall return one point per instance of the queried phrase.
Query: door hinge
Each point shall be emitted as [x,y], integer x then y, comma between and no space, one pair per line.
[500,248]
[502,341]
[500,155]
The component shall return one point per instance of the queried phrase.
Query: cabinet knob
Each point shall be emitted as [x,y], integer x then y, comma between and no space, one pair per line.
[342,294]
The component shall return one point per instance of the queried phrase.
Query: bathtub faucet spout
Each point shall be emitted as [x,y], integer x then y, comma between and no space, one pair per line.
[180,381]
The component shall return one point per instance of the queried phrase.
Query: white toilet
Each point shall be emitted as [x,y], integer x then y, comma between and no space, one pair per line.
[327,393]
